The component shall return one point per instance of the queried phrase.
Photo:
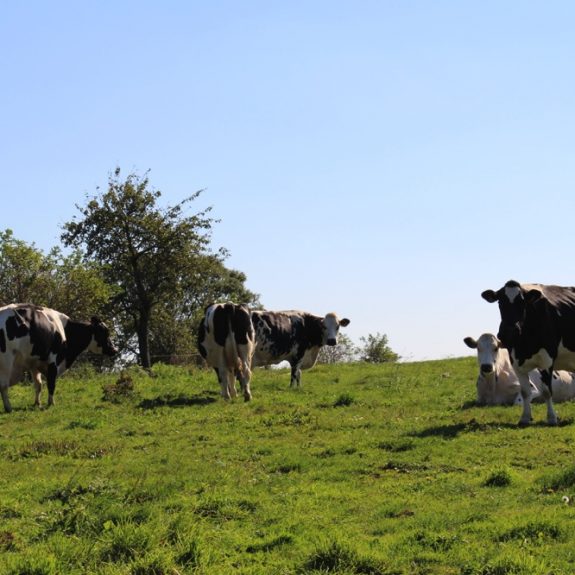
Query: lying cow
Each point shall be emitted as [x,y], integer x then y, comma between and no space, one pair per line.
[45,342]
[538,329]
[498,384]
[293,336]
[226,342]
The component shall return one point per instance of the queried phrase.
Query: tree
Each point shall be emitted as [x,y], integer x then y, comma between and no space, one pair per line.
[344,352]
[149,254]
[376,349]
[59,281]
[25,272]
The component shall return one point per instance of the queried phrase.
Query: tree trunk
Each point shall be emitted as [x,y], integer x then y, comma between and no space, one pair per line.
[144,338]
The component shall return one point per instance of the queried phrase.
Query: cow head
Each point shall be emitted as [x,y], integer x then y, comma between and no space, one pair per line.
[101,338]
[513,300]
[331,325]
[487,347]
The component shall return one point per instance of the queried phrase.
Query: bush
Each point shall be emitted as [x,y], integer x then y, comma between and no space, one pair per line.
[376,349]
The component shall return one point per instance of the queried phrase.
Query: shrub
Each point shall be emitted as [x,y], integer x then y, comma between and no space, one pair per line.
[499,478]
[344,400]
[335,557]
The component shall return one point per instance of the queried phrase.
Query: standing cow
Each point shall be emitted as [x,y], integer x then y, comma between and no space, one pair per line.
[226,342]
[538,330]
[295,336]
[45,342]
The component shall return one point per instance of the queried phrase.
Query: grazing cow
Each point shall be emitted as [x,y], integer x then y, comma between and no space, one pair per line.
[294,336]
[226,342]
[45,342]
[538,330]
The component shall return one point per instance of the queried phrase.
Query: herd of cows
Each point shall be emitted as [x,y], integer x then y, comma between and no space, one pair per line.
[530,359]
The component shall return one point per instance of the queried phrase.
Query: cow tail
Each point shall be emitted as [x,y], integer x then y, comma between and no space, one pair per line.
[231,350]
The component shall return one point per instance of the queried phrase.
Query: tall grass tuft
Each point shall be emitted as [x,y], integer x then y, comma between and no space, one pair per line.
[564,479]
[335,557]
[498,478]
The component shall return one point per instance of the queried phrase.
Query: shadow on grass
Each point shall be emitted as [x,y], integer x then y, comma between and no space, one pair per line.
[206,398]
[453,430]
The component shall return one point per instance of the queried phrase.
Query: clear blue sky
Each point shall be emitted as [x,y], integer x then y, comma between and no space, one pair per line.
[387,160]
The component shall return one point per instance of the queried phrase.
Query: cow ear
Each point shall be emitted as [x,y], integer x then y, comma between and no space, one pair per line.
[490,296]
[343,322]
[470,342]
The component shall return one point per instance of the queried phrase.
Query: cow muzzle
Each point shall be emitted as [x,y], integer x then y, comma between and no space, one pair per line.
[332,341]
[486,368]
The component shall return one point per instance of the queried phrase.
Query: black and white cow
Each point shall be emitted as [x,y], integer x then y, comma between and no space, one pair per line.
[538,330]
[45,342]
[294,336]
[226,341]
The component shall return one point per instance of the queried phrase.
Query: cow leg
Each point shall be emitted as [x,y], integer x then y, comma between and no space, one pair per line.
[244,377]
[526,397]
[5,400]
[547,377]
[51,382]
[295,374]
[230,377]
[37,377]
[223,379]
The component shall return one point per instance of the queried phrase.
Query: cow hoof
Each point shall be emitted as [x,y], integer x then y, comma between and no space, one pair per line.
[553,422]
[523,423]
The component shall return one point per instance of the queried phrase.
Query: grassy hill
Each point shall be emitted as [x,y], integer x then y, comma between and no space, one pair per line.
[367,469]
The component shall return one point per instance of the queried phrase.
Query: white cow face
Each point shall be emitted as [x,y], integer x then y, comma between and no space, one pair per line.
[487,347]
[331,325]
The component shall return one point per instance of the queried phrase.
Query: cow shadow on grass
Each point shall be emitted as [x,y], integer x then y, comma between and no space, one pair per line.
[451,431]
[201,399]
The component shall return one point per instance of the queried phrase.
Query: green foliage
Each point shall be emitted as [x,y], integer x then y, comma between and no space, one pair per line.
[376,349]
[157,259]
[405,477]
[499,478]
[561,479]
[62,282]
[336,557]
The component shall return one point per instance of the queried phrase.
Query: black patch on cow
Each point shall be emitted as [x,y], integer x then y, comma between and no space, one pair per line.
[242,326]
[232,317]
[313,330]
[221,324]
[277,330]
[18,324]
[2,341]
[78,337]
[51,375]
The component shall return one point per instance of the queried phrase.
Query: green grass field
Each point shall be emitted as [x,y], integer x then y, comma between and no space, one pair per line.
[368,469]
